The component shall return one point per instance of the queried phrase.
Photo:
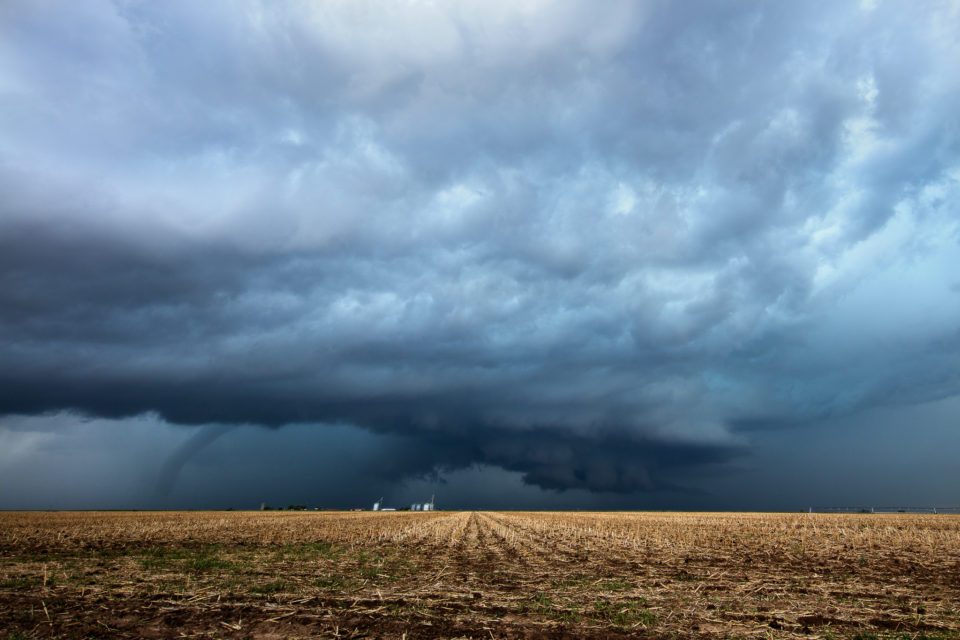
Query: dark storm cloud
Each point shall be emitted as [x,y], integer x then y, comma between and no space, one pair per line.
[598,248]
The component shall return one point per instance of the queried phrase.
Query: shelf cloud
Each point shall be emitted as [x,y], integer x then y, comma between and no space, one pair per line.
[600,246]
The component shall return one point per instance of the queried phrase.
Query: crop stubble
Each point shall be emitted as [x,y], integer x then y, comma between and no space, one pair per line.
[478,574]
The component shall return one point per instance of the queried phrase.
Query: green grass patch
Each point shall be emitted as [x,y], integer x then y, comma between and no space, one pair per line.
[20,583]
[309,551]
[569,616]
[370,573]
[541,604]
[161,558]
[154,564]
[201,559]
[625,613]
[208,563]
[374,567]
[268,588]
[332,583]
[616,584]
[175,553]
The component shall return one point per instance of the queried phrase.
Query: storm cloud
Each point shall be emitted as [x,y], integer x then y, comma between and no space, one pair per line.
[599,246]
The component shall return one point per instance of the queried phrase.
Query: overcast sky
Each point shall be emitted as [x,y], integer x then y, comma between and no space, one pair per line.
[517,254]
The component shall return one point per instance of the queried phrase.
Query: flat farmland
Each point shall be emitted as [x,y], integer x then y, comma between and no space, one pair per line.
[478,575]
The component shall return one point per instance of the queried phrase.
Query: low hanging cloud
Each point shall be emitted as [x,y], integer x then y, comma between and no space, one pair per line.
[597,247]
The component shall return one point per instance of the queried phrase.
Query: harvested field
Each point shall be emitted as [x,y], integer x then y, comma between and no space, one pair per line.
[478,575]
